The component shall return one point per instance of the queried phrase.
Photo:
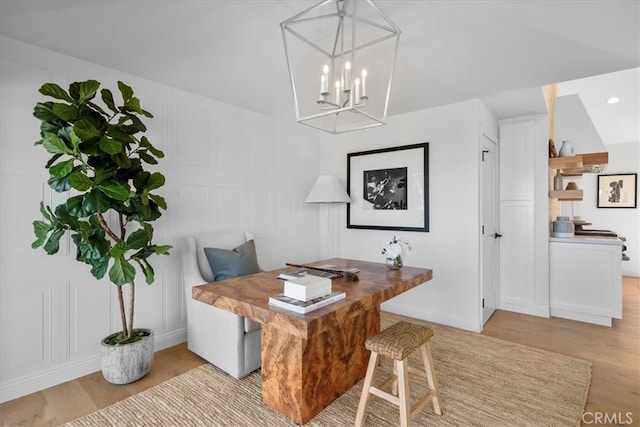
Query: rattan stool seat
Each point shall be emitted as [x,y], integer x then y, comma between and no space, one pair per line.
[397,342]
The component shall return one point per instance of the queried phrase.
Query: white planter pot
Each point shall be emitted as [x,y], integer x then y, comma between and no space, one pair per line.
[126,363]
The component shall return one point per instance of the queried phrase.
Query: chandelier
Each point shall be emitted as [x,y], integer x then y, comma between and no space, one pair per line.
[341,55]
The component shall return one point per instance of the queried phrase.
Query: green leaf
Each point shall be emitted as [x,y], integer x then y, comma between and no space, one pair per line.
[55,145]
[44,111]
[162,249]
[61,169]
[107,98]
[75,141]
[60,185]
[104,172]
[74,206]
[95,202]
[110,146]
[159,200]
[65,111]
[53,244]
[45,212]
[126,91]
[121,272]
[147,270]
[147,158]
[118,249]
[133,104]
[99,267]
[88,90]
[144,142]
[156,180]
[40,229]
[115,191]
[55,91]
[122,160]
[138,239]
[85,130]
[80,181]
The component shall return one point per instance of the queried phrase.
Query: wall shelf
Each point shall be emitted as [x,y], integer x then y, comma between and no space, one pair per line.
[582,163]
[566,195]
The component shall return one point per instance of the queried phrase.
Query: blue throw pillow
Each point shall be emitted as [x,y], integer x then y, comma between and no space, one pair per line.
[227,264]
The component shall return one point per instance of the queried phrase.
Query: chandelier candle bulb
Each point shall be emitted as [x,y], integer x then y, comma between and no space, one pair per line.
[338,92]
[364,80]
[347,76]
[356,88]
[325,80]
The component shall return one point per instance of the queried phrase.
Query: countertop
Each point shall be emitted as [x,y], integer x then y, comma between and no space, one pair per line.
[591,240]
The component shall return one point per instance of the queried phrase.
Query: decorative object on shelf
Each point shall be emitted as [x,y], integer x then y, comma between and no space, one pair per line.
[389,188]
[557,181]
[552,149]
[563,227]
[354,46]
[618,191]
[571,186]
[394,250]
[97,161]
[566,149]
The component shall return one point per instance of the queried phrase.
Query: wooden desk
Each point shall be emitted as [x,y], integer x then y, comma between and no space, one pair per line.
[309,360]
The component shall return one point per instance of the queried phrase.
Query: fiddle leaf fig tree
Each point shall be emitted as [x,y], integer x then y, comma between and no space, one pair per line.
[99,156]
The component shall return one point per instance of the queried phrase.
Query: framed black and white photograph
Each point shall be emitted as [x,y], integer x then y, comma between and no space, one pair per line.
[389,188]
[618,191]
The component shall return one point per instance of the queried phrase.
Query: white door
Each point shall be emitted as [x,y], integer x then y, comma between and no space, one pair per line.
[490,233]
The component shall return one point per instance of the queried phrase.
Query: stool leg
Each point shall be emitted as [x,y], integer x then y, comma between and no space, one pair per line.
[403,393]
[438,407]
[364,397]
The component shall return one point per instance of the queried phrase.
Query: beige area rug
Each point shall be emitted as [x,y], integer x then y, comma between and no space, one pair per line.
[483,382]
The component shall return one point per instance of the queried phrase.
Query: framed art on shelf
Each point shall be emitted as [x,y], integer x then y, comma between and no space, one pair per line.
[618,191]
[389,188]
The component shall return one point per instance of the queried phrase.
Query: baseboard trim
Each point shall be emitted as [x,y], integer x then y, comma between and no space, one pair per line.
[26,385]
[539,311]
[411,311]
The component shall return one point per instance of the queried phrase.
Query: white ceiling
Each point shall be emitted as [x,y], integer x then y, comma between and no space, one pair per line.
[451,50]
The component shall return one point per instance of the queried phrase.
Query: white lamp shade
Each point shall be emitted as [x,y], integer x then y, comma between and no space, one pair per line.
[327,189]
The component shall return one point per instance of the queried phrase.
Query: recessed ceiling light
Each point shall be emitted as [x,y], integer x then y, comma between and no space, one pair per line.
[613,100]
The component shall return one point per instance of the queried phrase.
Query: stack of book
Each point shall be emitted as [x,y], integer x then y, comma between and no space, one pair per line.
[305,292]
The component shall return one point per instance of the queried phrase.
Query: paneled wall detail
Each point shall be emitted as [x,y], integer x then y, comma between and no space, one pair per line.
[226,168]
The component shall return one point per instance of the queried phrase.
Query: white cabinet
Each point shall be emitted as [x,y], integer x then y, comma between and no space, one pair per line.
[586,280]
[523,248]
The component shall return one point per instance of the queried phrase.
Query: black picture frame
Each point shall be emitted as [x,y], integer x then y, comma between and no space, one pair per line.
[617,190]
[389,188]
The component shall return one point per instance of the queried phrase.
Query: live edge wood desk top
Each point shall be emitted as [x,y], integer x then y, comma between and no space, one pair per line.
[325,352]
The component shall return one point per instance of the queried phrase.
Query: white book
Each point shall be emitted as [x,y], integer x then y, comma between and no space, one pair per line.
[307,287]
[304,307]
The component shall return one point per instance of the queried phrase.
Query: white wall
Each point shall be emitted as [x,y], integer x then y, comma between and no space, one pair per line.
[623,158]
[451,247]
[226,168]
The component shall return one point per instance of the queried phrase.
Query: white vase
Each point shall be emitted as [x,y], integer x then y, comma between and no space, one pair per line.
[566,150]
[394,263]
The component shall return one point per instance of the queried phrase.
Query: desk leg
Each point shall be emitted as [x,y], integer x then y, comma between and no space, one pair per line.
[300,377]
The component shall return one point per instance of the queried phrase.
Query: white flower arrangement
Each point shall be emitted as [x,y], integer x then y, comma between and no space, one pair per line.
[396,247]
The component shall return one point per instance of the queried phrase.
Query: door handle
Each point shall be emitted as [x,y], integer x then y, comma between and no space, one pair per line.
[497,235]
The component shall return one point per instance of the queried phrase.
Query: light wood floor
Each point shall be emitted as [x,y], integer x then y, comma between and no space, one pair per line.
[614,352]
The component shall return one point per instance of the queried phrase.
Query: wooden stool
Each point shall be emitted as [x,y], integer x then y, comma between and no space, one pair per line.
[398,342]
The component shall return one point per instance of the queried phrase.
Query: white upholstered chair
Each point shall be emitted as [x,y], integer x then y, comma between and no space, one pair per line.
[224,339]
